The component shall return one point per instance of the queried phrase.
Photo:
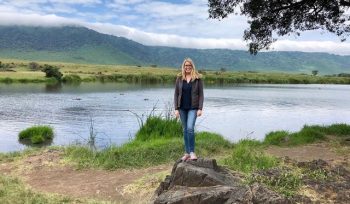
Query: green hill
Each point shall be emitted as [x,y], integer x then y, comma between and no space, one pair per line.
[82,45]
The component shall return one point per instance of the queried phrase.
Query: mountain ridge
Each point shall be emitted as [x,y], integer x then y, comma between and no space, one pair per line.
[82,45]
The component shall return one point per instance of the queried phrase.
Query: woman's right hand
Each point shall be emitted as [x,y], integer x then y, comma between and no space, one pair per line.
[177,114]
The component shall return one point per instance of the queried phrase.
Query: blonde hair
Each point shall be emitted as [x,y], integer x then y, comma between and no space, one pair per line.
[194,73]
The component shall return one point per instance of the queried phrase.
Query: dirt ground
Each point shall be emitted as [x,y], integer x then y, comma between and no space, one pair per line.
[48,172]
[324,151]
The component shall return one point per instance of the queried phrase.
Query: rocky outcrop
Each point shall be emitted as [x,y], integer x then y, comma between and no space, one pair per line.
[203,181]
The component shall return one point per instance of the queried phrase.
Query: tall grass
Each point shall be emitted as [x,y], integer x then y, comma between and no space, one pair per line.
[157,127]
[308,134]
[159,141]
[36,134]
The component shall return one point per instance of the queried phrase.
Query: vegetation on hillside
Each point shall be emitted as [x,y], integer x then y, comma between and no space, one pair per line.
[82,45]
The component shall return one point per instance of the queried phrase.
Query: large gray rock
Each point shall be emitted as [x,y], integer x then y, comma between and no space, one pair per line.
[205,195]
[262,195]
[203,181]
[200,173]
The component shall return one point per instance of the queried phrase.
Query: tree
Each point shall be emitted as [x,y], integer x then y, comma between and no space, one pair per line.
[223,69]
[314,72]
[34,66]
[52,71]
[284,17]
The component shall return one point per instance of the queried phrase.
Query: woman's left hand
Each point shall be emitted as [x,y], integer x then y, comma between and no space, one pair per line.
[199,113]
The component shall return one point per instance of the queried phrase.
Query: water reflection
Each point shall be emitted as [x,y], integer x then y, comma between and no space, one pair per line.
[53,88]
[28,143]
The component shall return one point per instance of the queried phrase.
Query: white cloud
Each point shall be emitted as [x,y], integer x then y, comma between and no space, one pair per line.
[9,16]
[212,43]
[341,48]
[31,2]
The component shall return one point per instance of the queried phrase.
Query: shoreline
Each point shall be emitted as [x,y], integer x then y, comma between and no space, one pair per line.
[21,71]
[38,173]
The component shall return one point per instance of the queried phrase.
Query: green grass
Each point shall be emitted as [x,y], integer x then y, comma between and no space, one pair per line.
[18,155]
[13,191]
[36,134]
[337,129]
[286,182]
[276,137]
[247,156]
[157,127]
[308,134]
[21,73]
[71,78]
[155,144]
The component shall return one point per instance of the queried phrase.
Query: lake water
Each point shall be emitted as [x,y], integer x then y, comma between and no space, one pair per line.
[236,112]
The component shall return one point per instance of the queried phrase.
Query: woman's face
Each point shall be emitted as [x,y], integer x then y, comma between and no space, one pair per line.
[188,67]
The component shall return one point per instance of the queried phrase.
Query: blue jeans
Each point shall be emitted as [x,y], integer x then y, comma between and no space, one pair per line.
[188,119]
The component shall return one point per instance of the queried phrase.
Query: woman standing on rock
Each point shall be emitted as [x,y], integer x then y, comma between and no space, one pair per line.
[188,101]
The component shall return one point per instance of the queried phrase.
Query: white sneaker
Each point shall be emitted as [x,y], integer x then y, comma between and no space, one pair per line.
[193,156]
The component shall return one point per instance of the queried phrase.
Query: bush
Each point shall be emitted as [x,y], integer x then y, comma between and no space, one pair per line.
[36,135]
[73,78]
[52,71]
[34,66]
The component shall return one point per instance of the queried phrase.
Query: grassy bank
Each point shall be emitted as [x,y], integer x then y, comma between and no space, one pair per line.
[20,72]
[308,134]
[159,141]
[248,157]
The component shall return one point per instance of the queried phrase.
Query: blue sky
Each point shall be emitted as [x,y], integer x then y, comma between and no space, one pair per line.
[180,23]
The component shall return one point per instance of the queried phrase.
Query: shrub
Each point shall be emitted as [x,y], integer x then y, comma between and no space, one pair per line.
[34,66]
[52,71]
[36,134]
[73,78]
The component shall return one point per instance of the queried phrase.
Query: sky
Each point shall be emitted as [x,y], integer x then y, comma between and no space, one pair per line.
[178,23]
